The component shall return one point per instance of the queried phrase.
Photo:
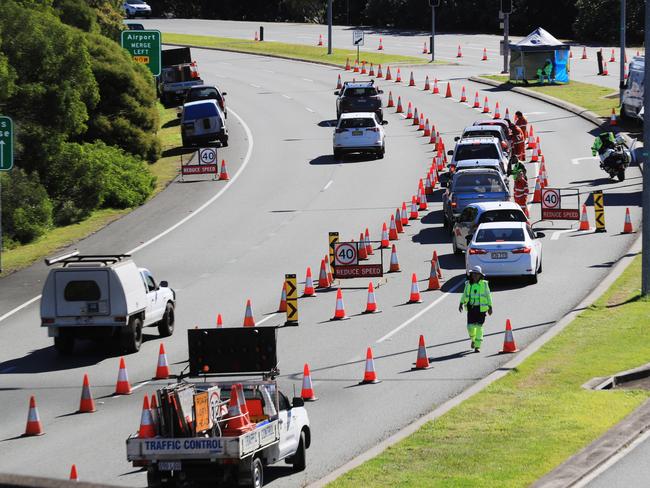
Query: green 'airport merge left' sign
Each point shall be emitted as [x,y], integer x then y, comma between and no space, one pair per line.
[144,46]
[6,144]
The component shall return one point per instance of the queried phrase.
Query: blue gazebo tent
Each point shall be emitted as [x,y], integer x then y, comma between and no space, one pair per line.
[532,52]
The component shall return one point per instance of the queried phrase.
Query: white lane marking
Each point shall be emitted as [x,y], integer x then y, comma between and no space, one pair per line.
[266,318]
[536,113]
[329,183]
[140,385]
[421,312]
[247,159]
[309,110]
[586,158]
[287,97]
[254,85]
[307,79]
[612,460]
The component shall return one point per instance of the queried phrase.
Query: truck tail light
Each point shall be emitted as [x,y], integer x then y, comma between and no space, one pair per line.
[473,250]
[120,319]
[521,250]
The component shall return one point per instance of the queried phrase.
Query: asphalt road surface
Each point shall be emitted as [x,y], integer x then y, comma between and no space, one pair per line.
[236,241]
[397,41]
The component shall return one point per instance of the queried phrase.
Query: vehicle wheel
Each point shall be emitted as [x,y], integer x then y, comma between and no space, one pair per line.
[539,270]
[166,325]
[253,476]
[64,345]
[533,278]
[621,175]
[300,457]
[338,154]
[381,152]
[131,335]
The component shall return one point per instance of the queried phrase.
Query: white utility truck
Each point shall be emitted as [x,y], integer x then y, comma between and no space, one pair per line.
[103,296]
[211,429]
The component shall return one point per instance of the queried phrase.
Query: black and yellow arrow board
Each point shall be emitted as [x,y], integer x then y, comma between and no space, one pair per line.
[291,289]
[599,210]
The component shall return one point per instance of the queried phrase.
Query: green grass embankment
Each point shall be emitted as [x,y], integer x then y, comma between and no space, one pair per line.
[530,421]
[293,51]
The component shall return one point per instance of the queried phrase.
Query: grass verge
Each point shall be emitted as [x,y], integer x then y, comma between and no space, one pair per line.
[591,97]
[165,170]
[530,421]
[293,51]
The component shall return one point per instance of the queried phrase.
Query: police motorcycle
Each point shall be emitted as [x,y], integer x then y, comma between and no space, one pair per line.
[614,156]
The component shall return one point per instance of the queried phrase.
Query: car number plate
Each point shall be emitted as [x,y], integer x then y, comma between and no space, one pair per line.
[499,255]
[169,465]
[357,132]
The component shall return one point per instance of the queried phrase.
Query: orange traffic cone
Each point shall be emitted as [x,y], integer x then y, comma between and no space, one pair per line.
[477,103]
[416,116]
[484,58]
[414,209]
[507,115]
[339,84]
[428,186]
[309,291]
[486,107]
[162,369]
[448,92]
[381,45]
[371,72]
[307,392]
[34,426]
[409,111]
[412,80]
[605,71]
[219,321]
[460,53]
[73,473]
[390,100]
[463,95]
[424,49]
[86,404]
[627,226]
[394,264]
[238,418]
[422,360]
[330,277]
[392,229]
[584,53]
[363,68]
[436,90]
[423,200]
[398,221]
[421,122]
[153,407]
[123,387]
[369,375]
[398,77]
[427,87]
[404,215]
[339,311]
[361,248]
[436,261]
[371,305]
[147,429]
[223,175]
[257,38]
[323,281]
[427,129]
[380,74]
[369,249]
[612,59]
[542,171]
[283,296]
[509,345]
[415,290]
[434,280]
[355,69]
[347,64]
[320,40]
[612,118]
[497,112]
[399,105]
[388,75]
[384,237]
[537,195]
[249,320]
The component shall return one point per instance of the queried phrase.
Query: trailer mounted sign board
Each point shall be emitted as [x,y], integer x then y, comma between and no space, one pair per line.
[357,38]
[144,47]
[202,162]
[552,206]
[6,144]
[346,263]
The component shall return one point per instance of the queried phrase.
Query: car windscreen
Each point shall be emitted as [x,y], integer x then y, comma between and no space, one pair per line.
[202,110]
[476,151]
[203,94]
[356,123]
[500,235]
[502,215]
[360,92]
[477,183]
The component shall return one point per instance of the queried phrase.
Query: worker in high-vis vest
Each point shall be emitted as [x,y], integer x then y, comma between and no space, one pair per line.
[478,300]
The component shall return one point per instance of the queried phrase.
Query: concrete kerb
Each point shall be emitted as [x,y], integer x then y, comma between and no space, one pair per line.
[617,270]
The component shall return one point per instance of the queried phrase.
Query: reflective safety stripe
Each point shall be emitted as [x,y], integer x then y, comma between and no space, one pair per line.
[477,294]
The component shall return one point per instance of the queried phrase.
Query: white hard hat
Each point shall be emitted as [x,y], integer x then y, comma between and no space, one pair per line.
[476,269]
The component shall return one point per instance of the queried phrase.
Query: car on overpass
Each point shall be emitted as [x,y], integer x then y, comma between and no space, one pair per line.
[360,132]
[359,97]
[505,249]
[136,8]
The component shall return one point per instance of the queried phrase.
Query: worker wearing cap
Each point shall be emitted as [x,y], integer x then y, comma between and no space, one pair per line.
[478,300]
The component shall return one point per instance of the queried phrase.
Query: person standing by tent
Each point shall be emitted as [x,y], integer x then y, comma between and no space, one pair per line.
[478,300]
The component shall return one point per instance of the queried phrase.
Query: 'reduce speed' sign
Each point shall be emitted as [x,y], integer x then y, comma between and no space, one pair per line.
[144,46]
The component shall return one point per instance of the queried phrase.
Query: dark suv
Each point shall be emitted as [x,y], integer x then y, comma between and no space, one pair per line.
[359,97]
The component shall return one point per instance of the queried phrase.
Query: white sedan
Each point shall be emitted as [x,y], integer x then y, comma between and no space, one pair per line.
[359,132]
[505,249]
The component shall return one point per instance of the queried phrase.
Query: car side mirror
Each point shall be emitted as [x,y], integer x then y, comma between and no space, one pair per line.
[456,138]
[298,402]
[450,152]
[384,122]
[164,284]
[380,91]
[539,235]
[337,92]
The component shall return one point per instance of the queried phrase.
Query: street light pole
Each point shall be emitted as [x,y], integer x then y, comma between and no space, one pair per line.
[329,26]
[645,243]
[433,32]
[621,83]
[506,33]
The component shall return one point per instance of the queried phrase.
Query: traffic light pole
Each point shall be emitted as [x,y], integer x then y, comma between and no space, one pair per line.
[645,223]
[329,26]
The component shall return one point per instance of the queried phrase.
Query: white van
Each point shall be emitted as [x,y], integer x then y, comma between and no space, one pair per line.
[633,92]
[103,296]
[203,121]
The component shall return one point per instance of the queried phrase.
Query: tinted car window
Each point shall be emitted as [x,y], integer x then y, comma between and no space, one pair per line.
[283,402]
[82,291]
[478,183]
[356,123]
[500,235]
[360,92]
[202,94]
[199,111]
[476,151]
[502,215]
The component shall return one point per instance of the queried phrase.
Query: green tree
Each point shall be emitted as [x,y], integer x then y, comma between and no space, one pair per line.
[77,13]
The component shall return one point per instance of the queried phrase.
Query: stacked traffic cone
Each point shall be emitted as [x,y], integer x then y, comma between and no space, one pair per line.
[537,195]
[422,360]
[460,53]
[409,111]
[394,263]
[398,221]
[448,92]
[484,58]
[392,229]
[627,226]
[361,250]
[347,64]
[477,103]
[404,215]
[249,321]
[73,473]
[380,74]
[414,209]
[388,75]
[323,281]
[371,72]
[436,90]
[86,404]
[307,392]
[162,368]
[238,418]
[339,84]
[427,87]
[414,297]
[584,53]
[381,45]
[371,304]
[369,375]
[399,109]
[411,80]
[398,77]
[220,320]
[223,175]
[463,95]
[320,40]
[384,237]
[390,100]
[509,345]
[283,298]
[584,219]
[339,311]
[612,118]
[369,249]
[34,426]
[424,49]
[497,112]
[147,429]
[486,106]
[123,387]
[612,59]
[310,290]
